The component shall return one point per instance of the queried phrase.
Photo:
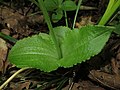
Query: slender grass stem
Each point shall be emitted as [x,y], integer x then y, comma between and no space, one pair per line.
[112,7]
[66,21]
[13,76]
[78,7]
[104,17]
[117,4]
[11,39]
[47,19]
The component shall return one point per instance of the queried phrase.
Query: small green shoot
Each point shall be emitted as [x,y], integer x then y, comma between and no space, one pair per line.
[79,3]
[59,8]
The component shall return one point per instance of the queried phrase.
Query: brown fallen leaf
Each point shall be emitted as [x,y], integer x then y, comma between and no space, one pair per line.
[83,85]
[85,20]
[18,23]
[20,85]
[3,54]
[115,67]
[108,80]
[87,85]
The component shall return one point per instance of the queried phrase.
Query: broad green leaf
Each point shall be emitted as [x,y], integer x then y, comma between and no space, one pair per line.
[80,44]
[76,46]
[69,5]
[37,52]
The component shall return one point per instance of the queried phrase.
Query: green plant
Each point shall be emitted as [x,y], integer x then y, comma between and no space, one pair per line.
[75,46]
[117,30]
[7,37]
[111,8]
[58,7]
[62,47]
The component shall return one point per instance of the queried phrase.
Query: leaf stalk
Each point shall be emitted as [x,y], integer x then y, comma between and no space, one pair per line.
[14,75]
[47,19]
[78,7]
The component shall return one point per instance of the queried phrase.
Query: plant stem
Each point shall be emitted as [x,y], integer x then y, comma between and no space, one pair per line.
[7,37]
[8,80]
[78,7]
[66,18]
[103,20]
[47,19]
[112,7]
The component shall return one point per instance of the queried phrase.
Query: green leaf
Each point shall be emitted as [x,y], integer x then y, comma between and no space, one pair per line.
[60,32]
[69,5]
[51,5]
[80,44]
[117,30]
[77,45]
[57,15]
[37,52]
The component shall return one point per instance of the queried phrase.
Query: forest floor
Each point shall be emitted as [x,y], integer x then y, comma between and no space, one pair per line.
[101,72]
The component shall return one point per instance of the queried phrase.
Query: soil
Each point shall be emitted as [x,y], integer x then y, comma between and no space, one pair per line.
[101,72]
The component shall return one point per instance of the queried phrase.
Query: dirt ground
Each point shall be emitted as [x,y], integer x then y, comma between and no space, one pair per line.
[101,72]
